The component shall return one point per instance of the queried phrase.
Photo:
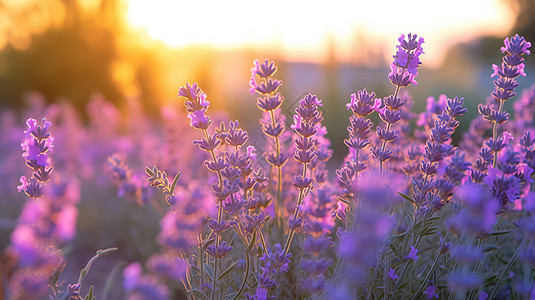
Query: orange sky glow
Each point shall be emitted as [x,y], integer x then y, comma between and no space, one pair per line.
[299,30]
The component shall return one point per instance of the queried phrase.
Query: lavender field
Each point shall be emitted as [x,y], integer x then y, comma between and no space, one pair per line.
[119,204]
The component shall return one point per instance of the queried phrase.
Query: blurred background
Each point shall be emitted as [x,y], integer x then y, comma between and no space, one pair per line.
[107,71]
[68,50]
[73,48]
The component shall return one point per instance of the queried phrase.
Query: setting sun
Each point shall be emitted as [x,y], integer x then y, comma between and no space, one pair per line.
[300,29]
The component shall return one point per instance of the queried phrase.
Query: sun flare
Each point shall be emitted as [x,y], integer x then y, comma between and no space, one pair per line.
[302,30]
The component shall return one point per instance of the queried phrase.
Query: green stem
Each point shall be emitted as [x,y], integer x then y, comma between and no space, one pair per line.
[219,216]
[296,212]
[100,253]
[424,283]
[495,133]
[504,272]
[244,278]
[278,204]
[396,92]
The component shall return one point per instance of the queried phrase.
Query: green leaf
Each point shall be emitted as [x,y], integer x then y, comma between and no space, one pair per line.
[231,296]
[407,210]
[502,232]
[227,270]
[252,243]
[100,253]
[490,248]
[209,270]
[199,294]
[174,183]
[207,243]
[395,249]
[435,218]
[89,295]
[407,197]
[149,171]
[55,276]
[430,231]
[503,261]
[491,279]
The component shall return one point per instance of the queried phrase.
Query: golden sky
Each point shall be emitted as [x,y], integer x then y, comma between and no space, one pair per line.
[300,29]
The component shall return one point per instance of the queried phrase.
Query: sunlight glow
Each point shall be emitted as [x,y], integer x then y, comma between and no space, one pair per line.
[300,29]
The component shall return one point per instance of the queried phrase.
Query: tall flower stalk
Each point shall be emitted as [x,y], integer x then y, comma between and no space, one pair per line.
[362,105]
[263,83]
[404,70]
[196,106]
[307,120]
[511,67]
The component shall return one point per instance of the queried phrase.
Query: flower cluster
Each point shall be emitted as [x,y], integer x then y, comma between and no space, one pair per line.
[371,225]
[435,193]
[307,123]
[263,83]
[404,68]
[446,218]
[43,225]
[390,114]
[511,67]
[37,143]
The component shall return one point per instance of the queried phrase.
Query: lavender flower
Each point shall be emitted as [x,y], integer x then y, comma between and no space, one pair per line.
[390,114]
[359,247]
[404,68]
[412,254]
[36,145]
[392,274]
[273,264]
[196,106]
[139,286]
[359,132]
[436,193]
[511,67]
[430,292]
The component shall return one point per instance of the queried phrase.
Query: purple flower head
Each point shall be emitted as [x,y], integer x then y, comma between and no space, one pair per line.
[270,102]
[430,292]
[363,103]
[296,224]
[167,266]
[31,187]
[392,274]
[479,215]
[39,132]
[25,245]
[411,43]
[256,221]
[297,122]
[196,106]
[315,267]
[179,230]
[404,68]
[138,286]
[461,281]
[73,291]
[219,251]
[36,144]
[191,92]
[412,254]
[516,45]
[131,275]
[275,262]
[251,152]
[252,81]
[236,137]
[199,120]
